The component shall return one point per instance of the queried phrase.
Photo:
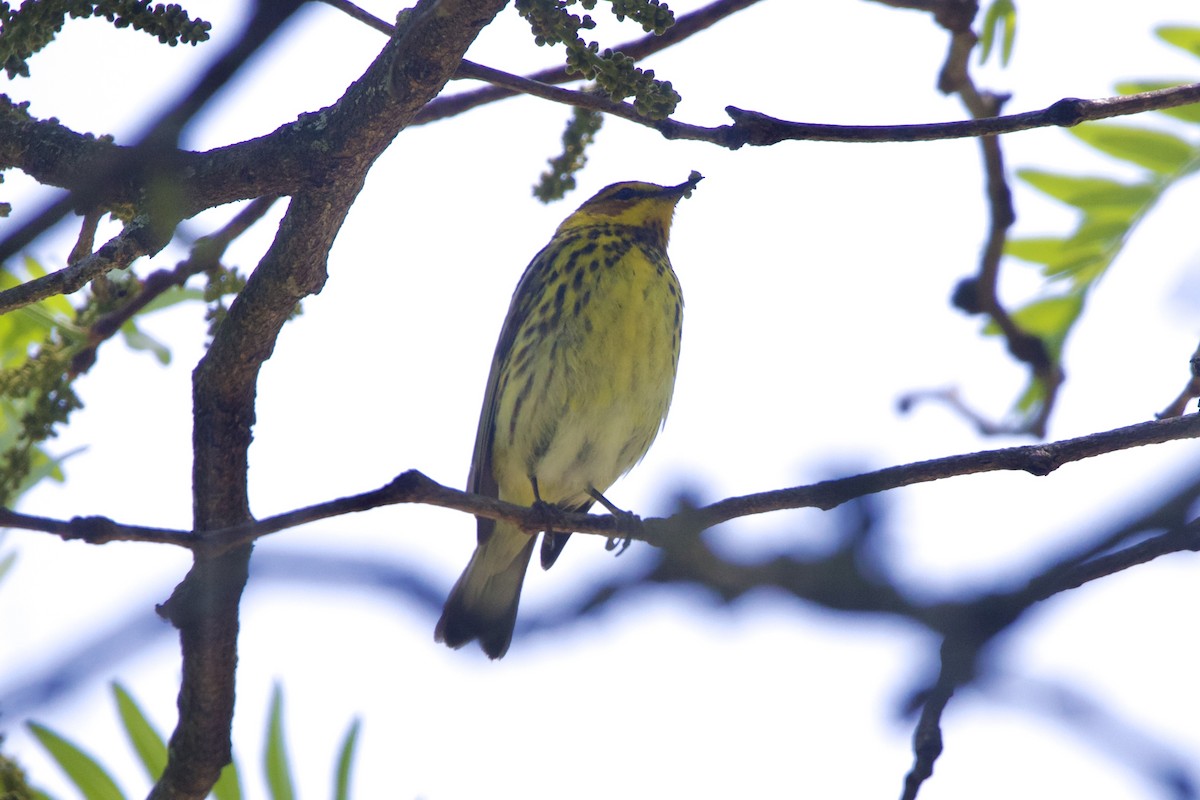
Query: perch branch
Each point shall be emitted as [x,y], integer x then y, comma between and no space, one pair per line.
[414,487]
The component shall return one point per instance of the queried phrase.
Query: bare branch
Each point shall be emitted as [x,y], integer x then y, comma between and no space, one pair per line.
[414,487]
[758,129]
[94,530]
[754,128]
[134,241]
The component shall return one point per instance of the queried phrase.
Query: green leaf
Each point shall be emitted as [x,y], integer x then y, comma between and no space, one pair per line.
[1032,399]
[1050,317]
[46,467]
[1183,37]
[1087,192]
[275,762]
[136,339]
[1056,254]
[1001,15]
[341,780]
[1107,229]
[1154,150]
[6,564]
[1188,113]
[172,297]
[146,741]
[83,770]
[229,785]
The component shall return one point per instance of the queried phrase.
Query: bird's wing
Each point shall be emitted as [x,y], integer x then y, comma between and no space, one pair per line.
[482,480]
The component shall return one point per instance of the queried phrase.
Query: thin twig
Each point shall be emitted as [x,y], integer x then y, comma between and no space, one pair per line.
[980,294]
[541,84]
[637,49]
[414,487]
[134,241]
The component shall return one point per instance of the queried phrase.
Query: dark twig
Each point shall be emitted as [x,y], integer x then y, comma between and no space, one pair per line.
[87,237]
[927,737]
[362,15]
[759,129]
[749,128]
[684,27]
[979,294]
[415,487]
[540,84]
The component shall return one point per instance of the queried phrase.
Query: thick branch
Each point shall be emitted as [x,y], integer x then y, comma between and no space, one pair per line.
[154,159]
[413,67]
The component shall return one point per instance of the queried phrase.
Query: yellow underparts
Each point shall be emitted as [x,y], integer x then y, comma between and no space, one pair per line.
[587,383]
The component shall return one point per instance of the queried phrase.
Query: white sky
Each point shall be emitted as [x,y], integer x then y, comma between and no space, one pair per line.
[817,279]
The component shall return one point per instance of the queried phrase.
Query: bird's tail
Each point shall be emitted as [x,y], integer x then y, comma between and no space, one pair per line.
[483,603]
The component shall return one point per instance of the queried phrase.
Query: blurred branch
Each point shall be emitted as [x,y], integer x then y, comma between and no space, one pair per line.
[1118,740]
[156,151]
[414,487]
[968,627]
[540,84]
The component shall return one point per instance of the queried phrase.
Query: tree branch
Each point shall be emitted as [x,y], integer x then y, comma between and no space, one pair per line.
[409,71]
[233,173]
[535,84]
[414,487]
[156,151]
[135,240]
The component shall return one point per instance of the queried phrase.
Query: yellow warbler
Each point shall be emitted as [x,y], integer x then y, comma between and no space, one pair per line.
[579,387]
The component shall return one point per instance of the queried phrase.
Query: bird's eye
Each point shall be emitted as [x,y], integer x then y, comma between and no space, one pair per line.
[628,193]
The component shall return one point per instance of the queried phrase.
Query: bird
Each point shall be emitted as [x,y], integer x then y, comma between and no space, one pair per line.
[579,387]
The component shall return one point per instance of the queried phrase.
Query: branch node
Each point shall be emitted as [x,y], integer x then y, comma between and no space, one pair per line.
[1041,462]
[1067,113]
[93,530]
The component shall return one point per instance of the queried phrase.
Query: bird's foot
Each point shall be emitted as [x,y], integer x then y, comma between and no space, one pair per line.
[627,523]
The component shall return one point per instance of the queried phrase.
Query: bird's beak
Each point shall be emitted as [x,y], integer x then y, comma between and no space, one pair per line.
[685,189]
